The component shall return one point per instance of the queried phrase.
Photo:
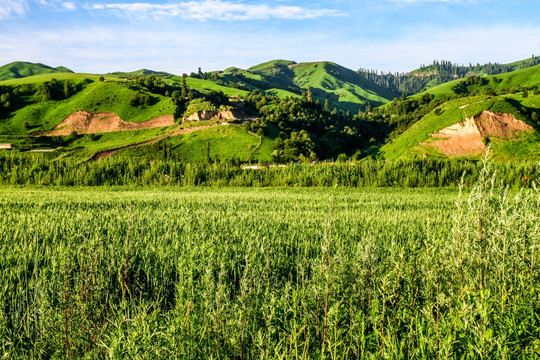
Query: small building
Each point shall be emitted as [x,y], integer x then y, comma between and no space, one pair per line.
[6,146]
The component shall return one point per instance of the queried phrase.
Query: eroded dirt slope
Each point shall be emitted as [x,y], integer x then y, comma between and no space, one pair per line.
[83,122]
[465,138]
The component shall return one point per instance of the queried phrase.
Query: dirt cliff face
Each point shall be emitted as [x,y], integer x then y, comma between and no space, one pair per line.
[201,115]
[500,125]
[465,139]
[83,122]
[215,115]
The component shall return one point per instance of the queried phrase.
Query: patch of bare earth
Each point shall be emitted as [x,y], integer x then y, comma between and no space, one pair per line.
[465,138]
[216,115]
[83,122]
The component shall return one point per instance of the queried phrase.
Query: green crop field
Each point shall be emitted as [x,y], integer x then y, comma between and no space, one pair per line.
[234,273]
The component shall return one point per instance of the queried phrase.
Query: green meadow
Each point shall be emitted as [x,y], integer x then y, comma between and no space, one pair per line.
[165,273]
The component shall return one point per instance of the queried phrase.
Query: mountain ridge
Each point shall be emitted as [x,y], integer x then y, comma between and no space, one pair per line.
[21,69]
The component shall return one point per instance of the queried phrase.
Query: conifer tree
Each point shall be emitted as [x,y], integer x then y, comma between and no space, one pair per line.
[184,87]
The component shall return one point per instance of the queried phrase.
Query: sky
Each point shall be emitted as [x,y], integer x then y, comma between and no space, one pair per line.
[179,36]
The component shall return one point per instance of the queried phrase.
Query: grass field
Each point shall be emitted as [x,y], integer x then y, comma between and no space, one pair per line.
[269,273]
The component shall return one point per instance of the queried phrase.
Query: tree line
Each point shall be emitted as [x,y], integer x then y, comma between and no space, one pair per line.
[35,169]
[437,73]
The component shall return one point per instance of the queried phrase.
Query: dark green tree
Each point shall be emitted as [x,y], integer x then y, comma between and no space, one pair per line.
[185,90]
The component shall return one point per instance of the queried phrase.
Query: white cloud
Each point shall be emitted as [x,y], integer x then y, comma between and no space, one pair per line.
[101,49]
[216,10]
[10,8]
[69,5]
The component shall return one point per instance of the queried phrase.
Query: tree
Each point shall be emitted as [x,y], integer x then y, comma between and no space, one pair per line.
[309,94]
[185,90]
[326,106]
[101,78]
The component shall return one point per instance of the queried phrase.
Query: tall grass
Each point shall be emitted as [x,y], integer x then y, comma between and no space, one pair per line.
[270,273]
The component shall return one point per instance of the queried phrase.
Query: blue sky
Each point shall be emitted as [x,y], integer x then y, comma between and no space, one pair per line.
[178,36]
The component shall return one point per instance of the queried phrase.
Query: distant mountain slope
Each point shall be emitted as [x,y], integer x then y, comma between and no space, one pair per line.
[19,69]
[440,72]
[300,112]
[141,72]
[342,87]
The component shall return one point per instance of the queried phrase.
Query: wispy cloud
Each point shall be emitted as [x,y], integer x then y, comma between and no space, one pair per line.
[215,10]
[98,49]
[69,5]
[10,8]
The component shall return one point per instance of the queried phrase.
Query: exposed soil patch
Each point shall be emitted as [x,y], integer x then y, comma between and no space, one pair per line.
[465,138]
[83,122]
[216,115]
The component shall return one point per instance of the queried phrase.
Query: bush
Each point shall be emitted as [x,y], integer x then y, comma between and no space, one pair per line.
[342,158]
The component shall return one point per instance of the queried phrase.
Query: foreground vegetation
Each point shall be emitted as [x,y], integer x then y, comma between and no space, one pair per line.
[272,273]
[43,169]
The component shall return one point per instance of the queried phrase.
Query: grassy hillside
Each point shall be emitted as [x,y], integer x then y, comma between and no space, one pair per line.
[19,69]
[498,94]
[208,85]
[268,67]
[32,106]
[223,143]
[340,85]
[343,88]
[32,113]
[512,80]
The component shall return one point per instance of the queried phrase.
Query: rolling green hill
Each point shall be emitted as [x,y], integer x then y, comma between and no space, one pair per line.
[19,69]
[343,88]
[501,94]
[279,122]
[32,113]
[141,72]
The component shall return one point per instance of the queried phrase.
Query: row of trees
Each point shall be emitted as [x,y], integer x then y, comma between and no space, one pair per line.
[56,90]
[34,169]
[49,90]
[437,73]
